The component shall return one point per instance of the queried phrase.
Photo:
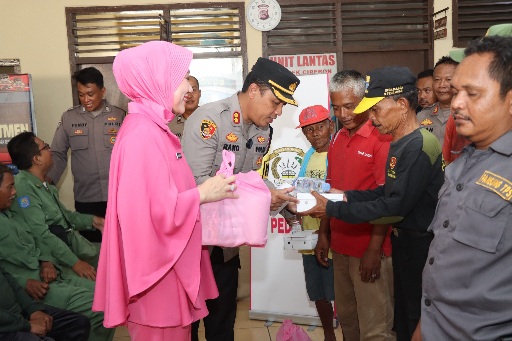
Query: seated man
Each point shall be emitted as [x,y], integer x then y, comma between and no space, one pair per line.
[38,203]
[33,271]
[23,319]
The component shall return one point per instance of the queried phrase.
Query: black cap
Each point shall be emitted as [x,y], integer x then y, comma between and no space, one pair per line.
[384,82]
[281,80]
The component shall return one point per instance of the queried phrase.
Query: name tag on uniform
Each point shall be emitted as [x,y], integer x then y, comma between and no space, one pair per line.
[178,156]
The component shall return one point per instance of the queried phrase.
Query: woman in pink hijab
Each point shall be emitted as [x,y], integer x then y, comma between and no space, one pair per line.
[153,274]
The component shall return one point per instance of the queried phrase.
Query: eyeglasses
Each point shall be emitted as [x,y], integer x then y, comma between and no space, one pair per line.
[46,146]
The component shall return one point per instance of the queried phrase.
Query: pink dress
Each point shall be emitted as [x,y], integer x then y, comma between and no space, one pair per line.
[152,270]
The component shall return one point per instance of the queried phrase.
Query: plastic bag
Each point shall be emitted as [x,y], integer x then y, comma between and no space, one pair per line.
[291,332]
[242,221]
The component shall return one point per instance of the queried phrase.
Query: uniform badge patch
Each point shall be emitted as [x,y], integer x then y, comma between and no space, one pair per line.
[426,122]
[261,139]
[113,139]
[79,132]
[436,109]
[259,161]
[208,129]
[392,162]
[112,131]
[236,117]
[112,118]
[24,202]
[497,184]
[231,137]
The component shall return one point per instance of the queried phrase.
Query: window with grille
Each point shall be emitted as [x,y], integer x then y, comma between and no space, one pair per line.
[472,18]
[214,32]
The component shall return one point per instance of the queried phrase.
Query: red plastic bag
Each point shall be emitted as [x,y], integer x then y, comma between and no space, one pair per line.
[291,332]
[242,221]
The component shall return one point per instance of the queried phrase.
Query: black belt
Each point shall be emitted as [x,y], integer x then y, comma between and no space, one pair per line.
[410,233]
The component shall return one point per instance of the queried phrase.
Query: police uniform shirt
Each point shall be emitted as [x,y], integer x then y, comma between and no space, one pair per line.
[467,286]
[219,126]
[434,119]
[91,140]
[176,125]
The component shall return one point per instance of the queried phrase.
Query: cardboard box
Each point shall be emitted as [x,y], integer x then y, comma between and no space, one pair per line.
[308,201]
[302,240]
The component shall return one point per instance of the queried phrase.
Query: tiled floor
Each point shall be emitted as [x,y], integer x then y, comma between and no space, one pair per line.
[246,329]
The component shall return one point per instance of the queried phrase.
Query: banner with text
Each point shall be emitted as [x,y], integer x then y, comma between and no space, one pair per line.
[308,64]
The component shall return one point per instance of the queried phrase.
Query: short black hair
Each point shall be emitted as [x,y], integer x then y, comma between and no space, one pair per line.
[500,68]
[4,169]
[89,75]
[426,73]
[446,60]
[251,78]
[197,81]
[22,148]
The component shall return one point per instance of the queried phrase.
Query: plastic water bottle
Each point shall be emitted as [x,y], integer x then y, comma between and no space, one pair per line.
[306,185]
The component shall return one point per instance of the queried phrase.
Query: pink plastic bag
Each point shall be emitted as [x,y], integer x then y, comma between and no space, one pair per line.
[291,332]
[242,221]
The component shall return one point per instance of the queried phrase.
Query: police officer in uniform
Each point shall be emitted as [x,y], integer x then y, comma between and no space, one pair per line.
[90,130]
[191,104]
[241,124]
[434,117]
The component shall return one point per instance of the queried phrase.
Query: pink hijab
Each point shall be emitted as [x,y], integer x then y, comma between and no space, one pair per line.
[152,227]
[150,74]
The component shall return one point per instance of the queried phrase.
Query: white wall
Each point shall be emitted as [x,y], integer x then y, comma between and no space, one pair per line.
[444,45]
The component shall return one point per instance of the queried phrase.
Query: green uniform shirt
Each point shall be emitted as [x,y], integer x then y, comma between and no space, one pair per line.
[40,206]
[14,303]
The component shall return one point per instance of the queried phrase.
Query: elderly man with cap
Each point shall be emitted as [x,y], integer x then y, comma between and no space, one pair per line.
[467,289]
[408,198]
[317,127]
[241,124]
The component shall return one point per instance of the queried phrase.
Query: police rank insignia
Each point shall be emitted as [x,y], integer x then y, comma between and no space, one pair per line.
[112,131]
[261,139]
[426,122]
[112,118]
[231,137]
[79,132]
[236,117]
[208,129]
[24,202]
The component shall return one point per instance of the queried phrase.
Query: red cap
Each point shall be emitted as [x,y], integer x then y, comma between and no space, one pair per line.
[312,115]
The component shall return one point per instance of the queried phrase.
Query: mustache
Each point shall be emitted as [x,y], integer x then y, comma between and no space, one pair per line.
[458,116]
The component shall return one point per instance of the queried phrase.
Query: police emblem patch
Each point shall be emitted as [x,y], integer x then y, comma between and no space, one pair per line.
[261,139]
[231,137]
[236,117]
[24,202]
[113,139]
[426,122]
[436,109]
[79,132]
[208,129]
